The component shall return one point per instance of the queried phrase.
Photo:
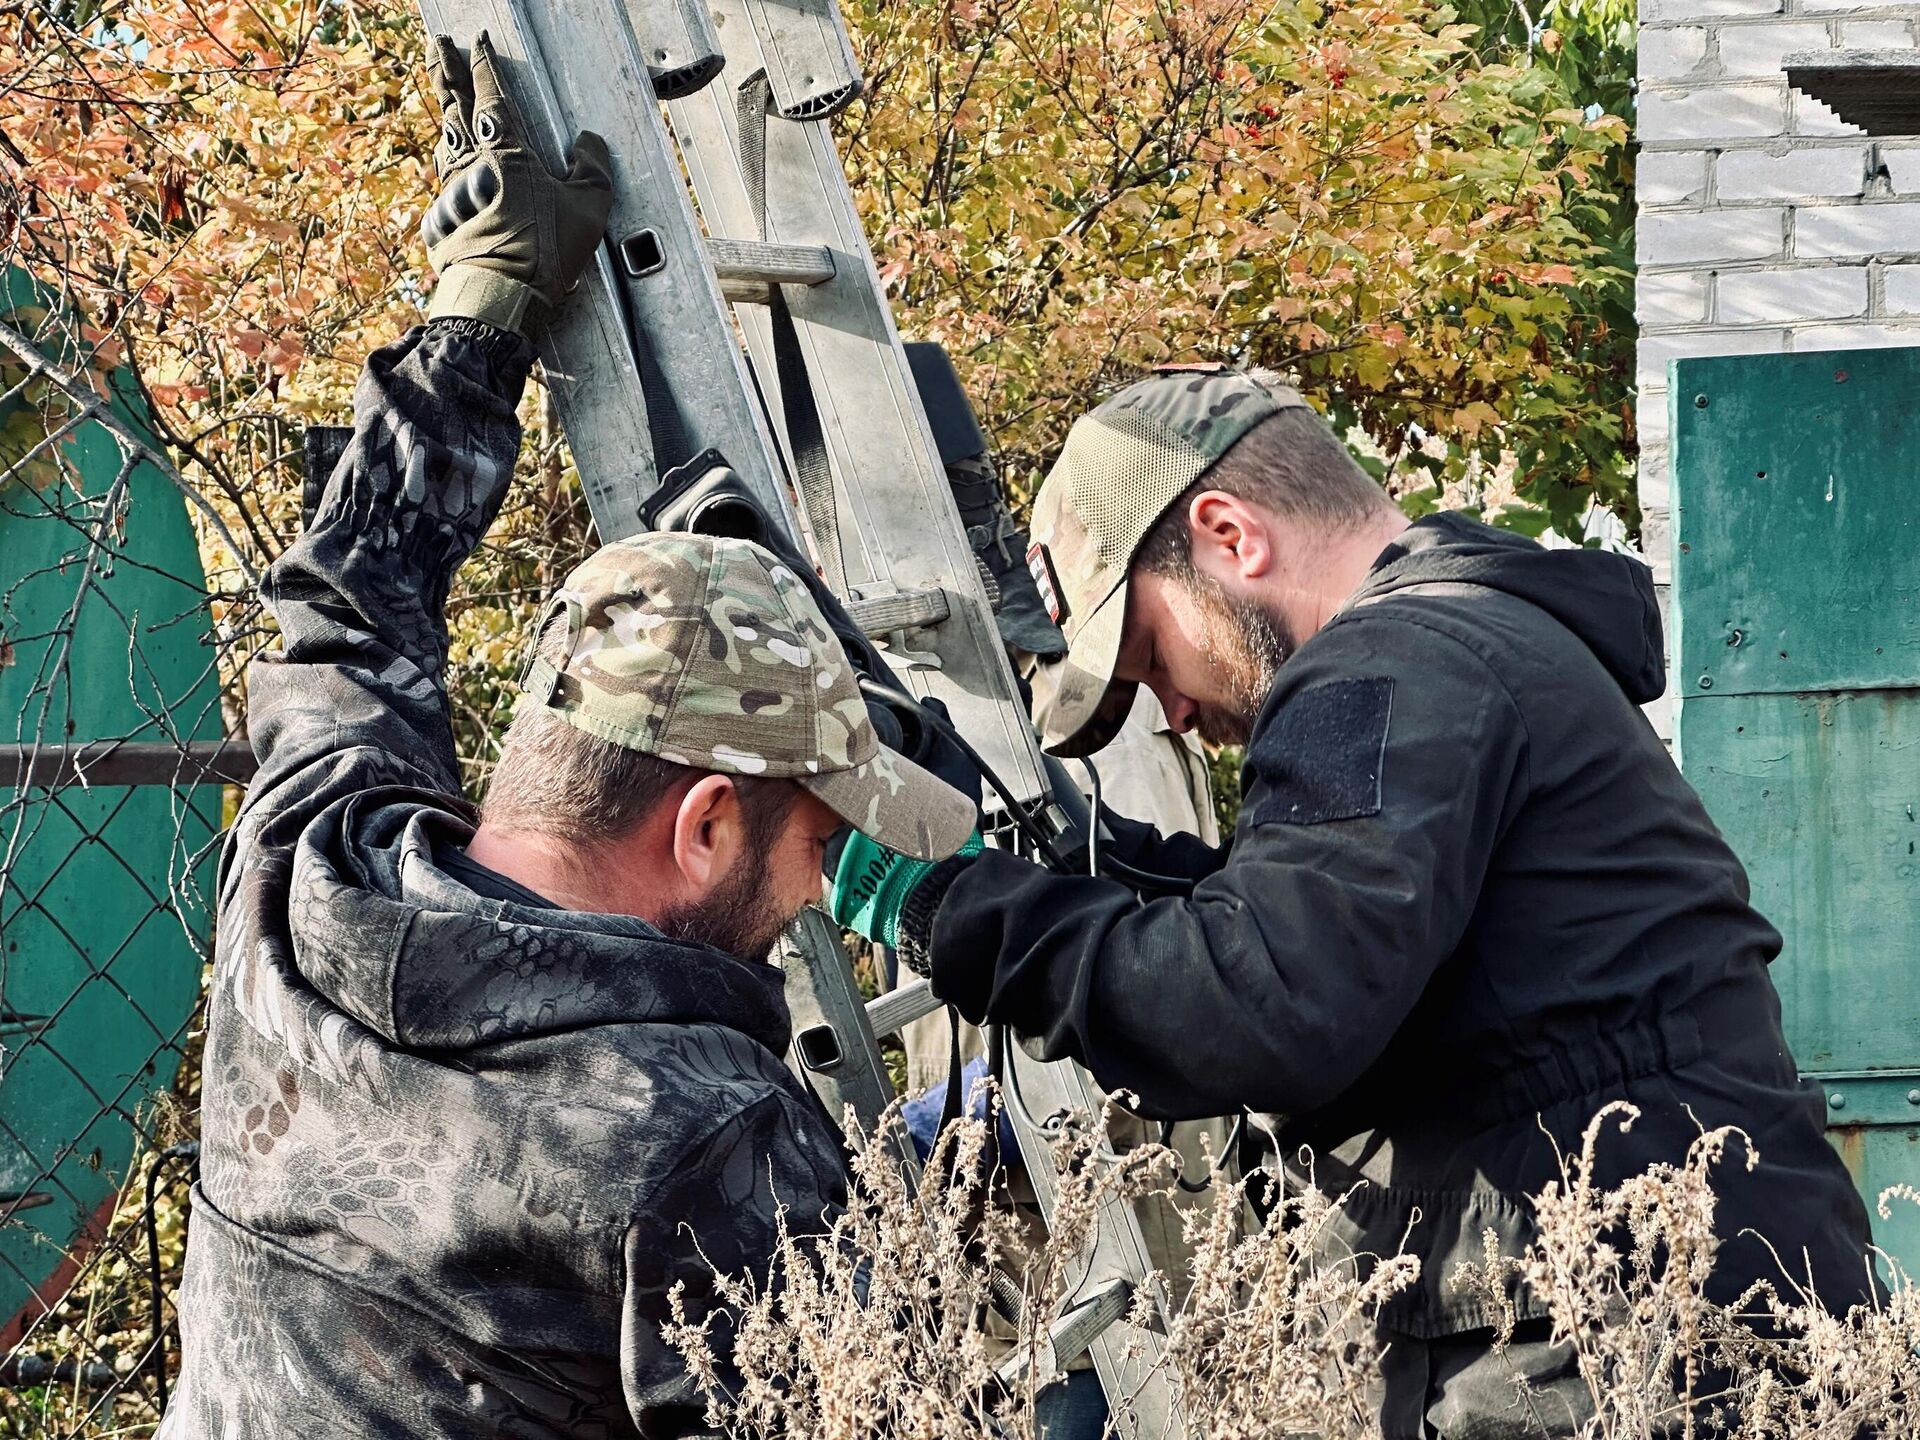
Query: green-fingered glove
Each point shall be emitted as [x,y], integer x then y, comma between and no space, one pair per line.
[872,884]
[503,232]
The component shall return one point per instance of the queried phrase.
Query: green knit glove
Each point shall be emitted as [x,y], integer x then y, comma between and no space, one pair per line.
[872,884]
[503,232]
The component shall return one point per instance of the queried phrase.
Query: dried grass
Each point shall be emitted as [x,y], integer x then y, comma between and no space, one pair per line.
[877,1327]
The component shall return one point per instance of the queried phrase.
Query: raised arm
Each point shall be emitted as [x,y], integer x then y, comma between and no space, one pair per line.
[360,598]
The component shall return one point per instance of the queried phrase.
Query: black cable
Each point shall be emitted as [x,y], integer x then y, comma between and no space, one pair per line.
[1029,827]
[1116,869]
[1022,817]
[1227,1148]
[185,1150]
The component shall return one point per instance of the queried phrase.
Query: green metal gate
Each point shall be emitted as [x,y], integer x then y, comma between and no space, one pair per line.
[1796,653]
[103,659]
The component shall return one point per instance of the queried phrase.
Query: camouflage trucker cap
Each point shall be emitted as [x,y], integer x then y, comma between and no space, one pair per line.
[711,653]
[1122,466]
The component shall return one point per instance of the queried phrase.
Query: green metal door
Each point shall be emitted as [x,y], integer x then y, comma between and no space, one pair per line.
[1796,647]
[101,920]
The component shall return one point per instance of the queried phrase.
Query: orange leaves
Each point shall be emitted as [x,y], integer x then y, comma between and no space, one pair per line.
[1548,274]
[172,189]
[1322,185]
[281,353]
[1470,420]
[234,185]
[286,353]
[175,392]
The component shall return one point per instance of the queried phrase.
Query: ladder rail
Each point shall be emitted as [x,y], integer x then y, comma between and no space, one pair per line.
[670,293]
[900,526]
[575,65]
[894,504]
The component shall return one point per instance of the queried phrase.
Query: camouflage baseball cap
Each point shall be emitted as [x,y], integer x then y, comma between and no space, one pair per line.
[1122,466]
[711,653]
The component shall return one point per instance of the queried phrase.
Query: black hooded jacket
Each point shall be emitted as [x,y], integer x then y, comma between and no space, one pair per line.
[1469,901]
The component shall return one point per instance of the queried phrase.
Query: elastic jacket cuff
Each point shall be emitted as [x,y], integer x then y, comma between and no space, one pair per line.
[913,934]
[509,356]
[500,300]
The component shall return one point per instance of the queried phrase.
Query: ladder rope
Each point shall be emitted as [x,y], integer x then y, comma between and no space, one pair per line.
[806,438]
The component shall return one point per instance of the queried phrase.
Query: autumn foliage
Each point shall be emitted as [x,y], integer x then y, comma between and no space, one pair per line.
[1064,191]
[1060,190]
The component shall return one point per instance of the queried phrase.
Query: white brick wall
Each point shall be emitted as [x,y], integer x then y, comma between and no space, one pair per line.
[1837,172]
[1669,54]
[1765,224]
[1902,164]
[1764,297]
[1757,49]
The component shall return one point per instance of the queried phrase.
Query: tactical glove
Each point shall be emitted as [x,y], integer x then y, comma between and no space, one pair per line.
[503,232]
[872,885]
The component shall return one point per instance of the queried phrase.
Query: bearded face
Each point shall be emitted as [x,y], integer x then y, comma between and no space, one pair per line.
[740,917]
[1244,645]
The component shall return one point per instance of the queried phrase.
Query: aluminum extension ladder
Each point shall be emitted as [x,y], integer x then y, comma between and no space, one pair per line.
[647,356]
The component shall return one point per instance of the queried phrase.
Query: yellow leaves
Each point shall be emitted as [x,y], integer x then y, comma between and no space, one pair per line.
[248,229]
[1470,420]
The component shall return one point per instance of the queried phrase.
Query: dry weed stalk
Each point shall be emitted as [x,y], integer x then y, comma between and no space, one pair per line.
[1624,1271]
[873,1328]
[877,1328]
[1276,1337]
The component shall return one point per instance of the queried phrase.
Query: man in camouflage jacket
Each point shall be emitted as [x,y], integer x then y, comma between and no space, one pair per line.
[474,1102]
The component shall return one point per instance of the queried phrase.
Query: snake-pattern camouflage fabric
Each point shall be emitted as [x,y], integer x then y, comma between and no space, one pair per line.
[455,1151]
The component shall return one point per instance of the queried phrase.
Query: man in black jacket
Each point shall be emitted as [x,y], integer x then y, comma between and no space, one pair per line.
[1469,900]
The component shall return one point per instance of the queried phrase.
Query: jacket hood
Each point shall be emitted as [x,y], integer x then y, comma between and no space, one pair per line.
[1605,599]
[426,963]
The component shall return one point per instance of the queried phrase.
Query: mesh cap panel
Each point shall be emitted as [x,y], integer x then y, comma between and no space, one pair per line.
[1121,471]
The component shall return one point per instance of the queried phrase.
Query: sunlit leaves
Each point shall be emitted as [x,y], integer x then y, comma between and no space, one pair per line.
[1064,193]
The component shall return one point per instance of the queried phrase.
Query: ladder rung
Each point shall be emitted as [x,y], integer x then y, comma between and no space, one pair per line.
[1070,1335]
[894,1011]
[747,269]
[908,610]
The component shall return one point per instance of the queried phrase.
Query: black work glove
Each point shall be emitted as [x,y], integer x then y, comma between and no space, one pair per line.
[503,232]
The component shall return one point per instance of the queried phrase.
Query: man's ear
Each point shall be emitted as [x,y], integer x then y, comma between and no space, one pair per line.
[1232,539]
[708,831]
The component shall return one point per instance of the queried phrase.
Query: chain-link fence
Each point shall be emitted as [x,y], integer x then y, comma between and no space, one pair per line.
[115,654]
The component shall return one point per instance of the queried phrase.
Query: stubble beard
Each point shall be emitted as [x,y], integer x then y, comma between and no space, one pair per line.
[738,918]
[1246,644]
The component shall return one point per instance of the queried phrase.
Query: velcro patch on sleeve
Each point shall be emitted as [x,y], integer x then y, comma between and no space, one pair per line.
[1320,757]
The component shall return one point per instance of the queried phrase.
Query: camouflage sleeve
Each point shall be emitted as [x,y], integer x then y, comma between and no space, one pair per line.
[360,597]
[720,1211]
